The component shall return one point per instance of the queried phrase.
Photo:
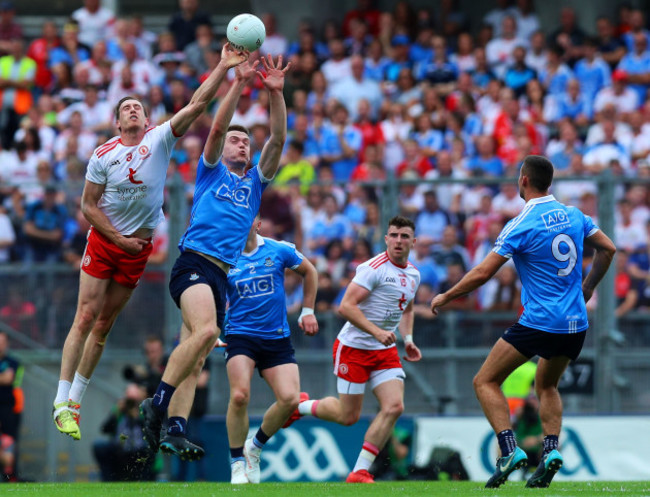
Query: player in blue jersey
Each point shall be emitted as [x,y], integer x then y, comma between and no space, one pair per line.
[257,335]
[226,199]
[546,243]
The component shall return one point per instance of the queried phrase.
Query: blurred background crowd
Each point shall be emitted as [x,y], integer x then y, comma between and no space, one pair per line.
[405,93]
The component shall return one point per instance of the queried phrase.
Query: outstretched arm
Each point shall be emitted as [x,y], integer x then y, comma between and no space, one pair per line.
[307,320]
[214,143]
[184,118]
[605,250]
[471,281]
[274,83]
[413,353]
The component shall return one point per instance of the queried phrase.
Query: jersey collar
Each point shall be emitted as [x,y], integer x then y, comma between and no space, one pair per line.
[260,242]
[395,263]
[541,200]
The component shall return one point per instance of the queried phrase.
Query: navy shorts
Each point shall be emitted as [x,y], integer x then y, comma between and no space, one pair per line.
[531,342]
[191,269]
[267,353]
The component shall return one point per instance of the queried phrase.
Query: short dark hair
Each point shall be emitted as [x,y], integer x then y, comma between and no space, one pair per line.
[124,99]
[539,171]
[297,145]
[238,127]
[401,222]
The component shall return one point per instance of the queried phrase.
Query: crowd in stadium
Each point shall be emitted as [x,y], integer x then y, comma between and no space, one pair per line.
[405,93]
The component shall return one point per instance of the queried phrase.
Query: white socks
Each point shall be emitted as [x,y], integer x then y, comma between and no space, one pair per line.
[78,388]
[63,393]
[366,457]
[308,408]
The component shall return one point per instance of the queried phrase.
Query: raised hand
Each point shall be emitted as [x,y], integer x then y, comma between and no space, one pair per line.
[232,57]
[438,301]
[274,78]
[246,70]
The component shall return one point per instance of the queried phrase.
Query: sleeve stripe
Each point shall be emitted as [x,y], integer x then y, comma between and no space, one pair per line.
[593,231]
[517,222]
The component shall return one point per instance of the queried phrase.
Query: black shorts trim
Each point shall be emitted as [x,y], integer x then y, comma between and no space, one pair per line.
[191,269]
[267,353]
[531,342]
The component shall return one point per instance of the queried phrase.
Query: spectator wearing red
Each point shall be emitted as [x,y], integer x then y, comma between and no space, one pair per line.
[414,160]
[39,49]
[366,11]
[371,133]
[504,127]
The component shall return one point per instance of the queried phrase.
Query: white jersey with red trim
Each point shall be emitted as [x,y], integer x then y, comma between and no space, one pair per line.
[391,288]
[134,178]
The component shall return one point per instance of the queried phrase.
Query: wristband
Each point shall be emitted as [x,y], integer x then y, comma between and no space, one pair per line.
[306,311]
[408,339]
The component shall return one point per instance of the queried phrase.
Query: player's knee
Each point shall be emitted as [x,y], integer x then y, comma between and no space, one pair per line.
[289,402]
[208,336]
[85,320]
[394,409]
[350,418]
[239,397]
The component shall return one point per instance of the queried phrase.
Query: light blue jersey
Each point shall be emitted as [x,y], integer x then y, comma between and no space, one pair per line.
[546,243]
[223,211]
[256,297]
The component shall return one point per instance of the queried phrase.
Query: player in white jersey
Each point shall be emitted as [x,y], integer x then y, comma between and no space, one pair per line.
[122,200]
[378,301]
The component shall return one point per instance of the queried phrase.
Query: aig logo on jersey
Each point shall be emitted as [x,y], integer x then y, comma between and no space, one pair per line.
[556,219]
[257,286]
[239,196]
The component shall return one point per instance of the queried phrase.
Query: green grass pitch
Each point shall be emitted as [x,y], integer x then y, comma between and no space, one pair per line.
[380,489]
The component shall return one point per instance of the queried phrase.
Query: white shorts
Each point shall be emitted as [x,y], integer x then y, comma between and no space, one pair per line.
[376,378]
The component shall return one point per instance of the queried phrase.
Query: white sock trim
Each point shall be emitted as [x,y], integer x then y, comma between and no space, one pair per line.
[304,408]
[63,392]
[364,460]
[78,388]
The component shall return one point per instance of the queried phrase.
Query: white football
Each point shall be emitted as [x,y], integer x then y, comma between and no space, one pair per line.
[246,32]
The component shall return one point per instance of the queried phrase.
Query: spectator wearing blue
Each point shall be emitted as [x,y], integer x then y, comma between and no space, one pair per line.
[376,61]
[352,89]
[560,151]
[429,139]
[519,74]
[486,162]
[499,49]
[421,258]
[592,71]
[438,71]
[399,58]
[331,226]
[432,221]
[482,74]
[610,47]
[636,65]
[574,104]
[421,51]
[557,74]
[70,51]
[637,26]
[44,227]
[339,144]
[184,22]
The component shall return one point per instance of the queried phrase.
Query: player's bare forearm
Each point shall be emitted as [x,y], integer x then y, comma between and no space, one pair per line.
[200,100]
[272,151]
[599,267]
[223,116]
[310,283]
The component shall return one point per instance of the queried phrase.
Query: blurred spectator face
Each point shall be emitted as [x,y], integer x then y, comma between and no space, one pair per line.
[308,63]
[494,230]
[357,66]
[364,110]
[337,49]
[411,149]
[43,171]
[609,128]
[484,145]
[537,42]
[640,43]
[568,133]
[573,88]
[604,28]
[449,236]
[166,42]
[372,214]
[340,115]
[519,55]
[301,124]
[567,19]
[423,123]
[76,121]
[508,27]
[588,204]
[269,23]
[193,148]
[454,273]
[330,206]
[637,21]
[314,198]
[431,201]
[439,48]
[375,50]
[17,48]
[465,44]
[636,121]
[444,162]
[153,351]
[318,82]
[425,292]
[625,210]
